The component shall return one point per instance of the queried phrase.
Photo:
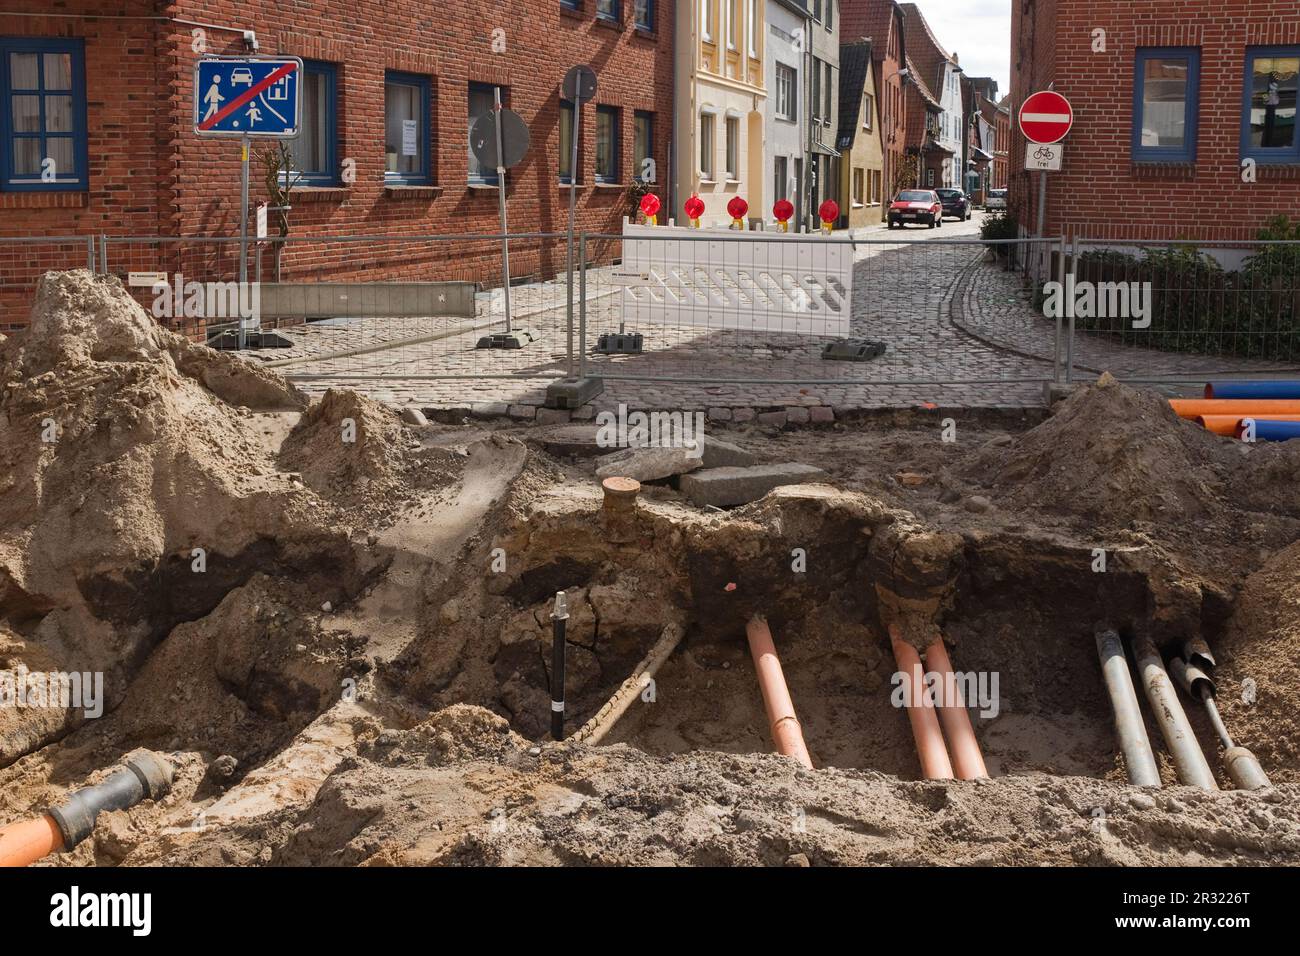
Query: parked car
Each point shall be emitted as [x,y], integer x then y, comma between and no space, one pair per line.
[916,205]
[997,199]
[955,203]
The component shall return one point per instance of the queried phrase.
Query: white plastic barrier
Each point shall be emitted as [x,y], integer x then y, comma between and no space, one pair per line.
[753,281]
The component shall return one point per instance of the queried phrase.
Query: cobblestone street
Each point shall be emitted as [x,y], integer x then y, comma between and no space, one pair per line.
[944,309]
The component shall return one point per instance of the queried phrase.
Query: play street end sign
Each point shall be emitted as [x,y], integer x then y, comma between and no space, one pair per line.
[247,97]
[1046,117]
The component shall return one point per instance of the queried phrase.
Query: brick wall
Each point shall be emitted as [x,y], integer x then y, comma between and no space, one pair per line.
[149,173]
[1101,192]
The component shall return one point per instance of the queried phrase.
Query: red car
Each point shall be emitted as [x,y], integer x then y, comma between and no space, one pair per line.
[916,205]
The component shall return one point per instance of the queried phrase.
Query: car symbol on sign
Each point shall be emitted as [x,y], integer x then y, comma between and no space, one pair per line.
[241,75]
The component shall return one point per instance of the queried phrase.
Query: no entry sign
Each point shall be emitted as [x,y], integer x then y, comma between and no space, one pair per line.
[1046,117]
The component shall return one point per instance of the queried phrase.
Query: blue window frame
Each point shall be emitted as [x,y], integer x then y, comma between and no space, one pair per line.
[1268,116]
[607,144]
[609,10]
[314,152]
[42,114]
[644,14]
[1166,98]
[408,122]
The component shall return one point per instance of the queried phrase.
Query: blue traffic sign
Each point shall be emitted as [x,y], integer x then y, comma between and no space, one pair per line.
[247,97]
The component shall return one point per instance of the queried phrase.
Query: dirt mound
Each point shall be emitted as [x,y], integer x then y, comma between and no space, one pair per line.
[1256,676]
[133,493]
[461,732]
[1113,457]
[353,450]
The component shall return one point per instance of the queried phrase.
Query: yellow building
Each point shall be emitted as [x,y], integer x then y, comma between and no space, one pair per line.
[719,76]
[858,141]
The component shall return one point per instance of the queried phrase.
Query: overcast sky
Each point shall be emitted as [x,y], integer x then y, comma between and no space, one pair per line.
[980,33]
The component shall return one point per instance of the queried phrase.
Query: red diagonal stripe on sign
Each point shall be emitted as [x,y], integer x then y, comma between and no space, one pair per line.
[247,95]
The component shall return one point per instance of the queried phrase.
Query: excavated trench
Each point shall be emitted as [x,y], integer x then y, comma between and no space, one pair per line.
[1018,613]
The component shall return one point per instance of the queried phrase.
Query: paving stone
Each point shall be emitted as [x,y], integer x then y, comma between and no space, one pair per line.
[726,487]
[489,409]
[647,464]
[719,414]
[723,454]
[821,414]
[742,414]
[523,411]
[797,415]
[552,416]
[772,418]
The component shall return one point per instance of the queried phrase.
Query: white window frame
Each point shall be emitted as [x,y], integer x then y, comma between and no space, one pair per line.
[732,143]
[731,32]
[792,114]
[751,28]
[707,172]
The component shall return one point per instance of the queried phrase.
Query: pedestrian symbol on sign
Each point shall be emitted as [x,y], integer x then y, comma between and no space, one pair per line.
[247,96]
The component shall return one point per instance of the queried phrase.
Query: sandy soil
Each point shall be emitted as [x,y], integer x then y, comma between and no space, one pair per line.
[361,672]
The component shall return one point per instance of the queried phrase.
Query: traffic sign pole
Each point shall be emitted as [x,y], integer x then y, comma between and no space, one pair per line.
[243,234]
[501,201]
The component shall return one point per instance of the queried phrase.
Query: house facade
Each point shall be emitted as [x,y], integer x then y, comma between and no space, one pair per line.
[786,114]
[824,109]
[721,96]
[881,21]
[1185,116]
[390,91]
[862,164]
[941,148]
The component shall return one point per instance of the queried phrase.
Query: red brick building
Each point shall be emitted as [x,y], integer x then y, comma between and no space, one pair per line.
[105,87]
[881,21]
[1178,104]
[1001,119]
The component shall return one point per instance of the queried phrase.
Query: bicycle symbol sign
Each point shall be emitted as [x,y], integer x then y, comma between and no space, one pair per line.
[1043,158]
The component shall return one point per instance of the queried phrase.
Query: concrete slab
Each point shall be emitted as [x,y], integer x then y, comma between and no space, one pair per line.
[727,487]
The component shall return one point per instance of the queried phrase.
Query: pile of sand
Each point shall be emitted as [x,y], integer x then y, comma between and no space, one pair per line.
[1112,457]
[354,451]
[135,489]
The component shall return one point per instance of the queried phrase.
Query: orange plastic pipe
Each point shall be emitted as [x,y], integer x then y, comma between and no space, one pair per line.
[28,841]
[1230,425]
[962,745]
[786,732]
[1241,407]
[935,764]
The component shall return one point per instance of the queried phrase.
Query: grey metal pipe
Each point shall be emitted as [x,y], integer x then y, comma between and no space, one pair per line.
[1139,760]
[1193,769]
[1243,767]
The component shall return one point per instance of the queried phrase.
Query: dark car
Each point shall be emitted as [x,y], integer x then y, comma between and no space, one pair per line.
[915,205]
[956,204]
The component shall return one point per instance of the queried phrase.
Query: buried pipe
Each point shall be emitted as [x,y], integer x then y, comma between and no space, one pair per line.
[930,748]
[145,775]
[963,748]
[786,733]
[1242,765]
[1193,769]
[603,721]
[1139,760]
